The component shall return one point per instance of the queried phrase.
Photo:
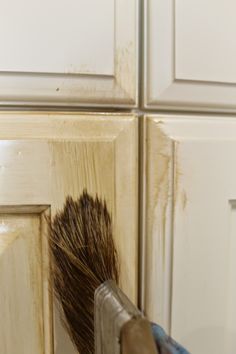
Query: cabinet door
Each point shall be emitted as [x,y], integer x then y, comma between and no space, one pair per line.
[44,158]
[190,264]
[66,52]
[190,54]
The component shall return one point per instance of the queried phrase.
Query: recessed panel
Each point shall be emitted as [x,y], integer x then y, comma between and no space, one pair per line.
[205,40]
[21,284]
[57,36]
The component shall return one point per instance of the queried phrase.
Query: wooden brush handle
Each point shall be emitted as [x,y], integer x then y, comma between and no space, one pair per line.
[136,337]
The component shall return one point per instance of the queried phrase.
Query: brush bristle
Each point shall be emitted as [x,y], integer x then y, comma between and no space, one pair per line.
[83,257]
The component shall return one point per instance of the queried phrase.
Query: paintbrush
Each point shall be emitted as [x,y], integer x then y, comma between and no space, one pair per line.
[85,268]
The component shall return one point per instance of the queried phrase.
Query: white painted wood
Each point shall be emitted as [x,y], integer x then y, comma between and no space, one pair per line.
[43,158]
[205,51]
[189,277]
[69,52]
[49,37]
[189,58]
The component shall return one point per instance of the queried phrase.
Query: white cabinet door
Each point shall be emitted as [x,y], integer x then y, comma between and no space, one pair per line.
[44,158]
[190,263]
[190,54]
[66,52]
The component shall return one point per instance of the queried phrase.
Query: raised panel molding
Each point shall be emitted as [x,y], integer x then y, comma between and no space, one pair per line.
[102,82]
[46,156]
[189,229]
[188,63]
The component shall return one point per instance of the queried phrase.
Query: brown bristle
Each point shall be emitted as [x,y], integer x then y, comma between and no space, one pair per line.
[83,257]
